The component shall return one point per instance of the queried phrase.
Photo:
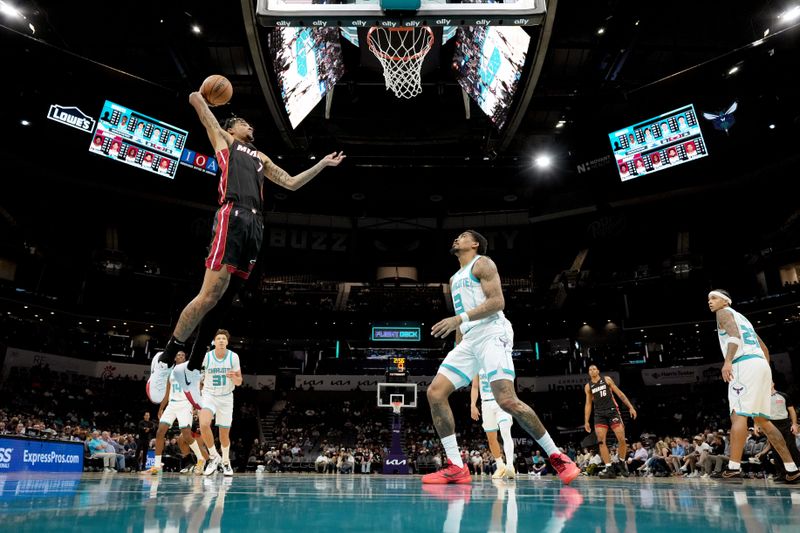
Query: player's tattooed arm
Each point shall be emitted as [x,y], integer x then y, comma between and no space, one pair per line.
[279,176]
[726,323]
[220,139]
[486,271]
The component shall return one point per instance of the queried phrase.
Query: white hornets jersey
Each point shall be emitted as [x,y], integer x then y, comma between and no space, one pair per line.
[483,384]
[750,345]
[468,294]
[175,392]
[216,381]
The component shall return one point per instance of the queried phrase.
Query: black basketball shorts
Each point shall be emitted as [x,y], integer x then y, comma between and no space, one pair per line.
[238,233]
[607,419]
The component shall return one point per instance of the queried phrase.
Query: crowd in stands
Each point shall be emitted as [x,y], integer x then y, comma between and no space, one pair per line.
[288,292]
[413,299]
[106,415]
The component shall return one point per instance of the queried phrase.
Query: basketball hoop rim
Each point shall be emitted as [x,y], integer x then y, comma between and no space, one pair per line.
[396,406]
[388,57]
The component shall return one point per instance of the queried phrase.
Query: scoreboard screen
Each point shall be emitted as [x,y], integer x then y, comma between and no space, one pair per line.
[658,143]
[135,139]
[396,334]
[396,365]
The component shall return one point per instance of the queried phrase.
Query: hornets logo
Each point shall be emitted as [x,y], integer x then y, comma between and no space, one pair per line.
[738,389]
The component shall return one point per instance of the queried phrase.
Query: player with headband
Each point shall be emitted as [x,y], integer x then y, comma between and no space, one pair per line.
[749,378]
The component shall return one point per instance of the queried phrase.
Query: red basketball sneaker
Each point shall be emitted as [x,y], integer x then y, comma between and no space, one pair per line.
[450,494]
[564,466]
[569,500]
[449,474]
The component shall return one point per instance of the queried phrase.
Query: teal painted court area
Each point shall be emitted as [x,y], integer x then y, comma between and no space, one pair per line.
[117,502]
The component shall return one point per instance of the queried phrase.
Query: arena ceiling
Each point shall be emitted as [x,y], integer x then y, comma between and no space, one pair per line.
[607,64]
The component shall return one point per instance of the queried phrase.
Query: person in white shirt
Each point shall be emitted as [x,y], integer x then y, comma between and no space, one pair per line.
[222,374]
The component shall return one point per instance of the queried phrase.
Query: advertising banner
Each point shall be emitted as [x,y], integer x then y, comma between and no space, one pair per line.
[33,455]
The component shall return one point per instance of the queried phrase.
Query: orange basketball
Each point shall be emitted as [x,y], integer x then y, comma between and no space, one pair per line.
[216,89]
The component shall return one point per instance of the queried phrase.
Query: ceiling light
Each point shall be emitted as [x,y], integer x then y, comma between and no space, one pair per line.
[561,123]
[772,126]
[791,15]
[601,31]
[25,122]
[733,70]
[9,10]
[196,29]
[31,27]
[766,32]
[543,161]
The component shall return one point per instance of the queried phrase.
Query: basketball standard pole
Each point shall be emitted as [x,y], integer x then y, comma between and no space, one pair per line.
[397,461]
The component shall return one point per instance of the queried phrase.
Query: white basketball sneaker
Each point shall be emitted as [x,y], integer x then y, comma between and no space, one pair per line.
[189,380]
[226,469]
[500,471]
[158,380]
[212,465]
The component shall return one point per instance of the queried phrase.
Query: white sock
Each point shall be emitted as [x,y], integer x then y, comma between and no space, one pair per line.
[790,467]
[608,465]
[499,462]
[212,452]
[226,451]
[451,449]
[196,450]
[733,465]
[511,512]
[555,524]
[508,443]
[455,510]
[158,461]
[546,442]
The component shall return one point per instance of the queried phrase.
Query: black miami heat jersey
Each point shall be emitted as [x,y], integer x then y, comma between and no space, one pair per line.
[602,396]
[241,179]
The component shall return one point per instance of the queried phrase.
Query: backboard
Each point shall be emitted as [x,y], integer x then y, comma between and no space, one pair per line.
[392,392]
[368,13]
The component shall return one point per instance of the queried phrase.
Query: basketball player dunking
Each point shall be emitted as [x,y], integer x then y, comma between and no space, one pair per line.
[749,378]
[238,231]
[484,340]
[600,391]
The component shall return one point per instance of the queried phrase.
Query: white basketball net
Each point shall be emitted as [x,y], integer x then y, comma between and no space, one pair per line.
[401,52]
